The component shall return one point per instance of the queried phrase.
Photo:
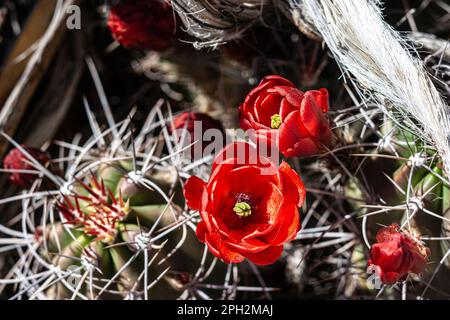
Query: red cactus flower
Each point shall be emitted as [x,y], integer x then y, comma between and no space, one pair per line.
[396,254]
[21,165]
[246,212]
[142,24]
[188,121]
[276,109]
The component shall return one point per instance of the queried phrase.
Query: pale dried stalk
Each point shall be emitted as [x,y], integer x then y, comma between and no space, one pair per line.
[35,59]
[378,58]
[218,21]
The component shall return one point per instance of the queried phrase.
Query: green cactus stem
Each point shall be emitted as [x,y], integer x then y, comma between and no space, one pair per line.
[107,219]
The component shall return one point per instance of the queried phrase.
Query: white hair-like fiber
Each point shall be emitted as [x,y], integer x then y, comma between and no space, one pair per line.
[379,59]
[214,22]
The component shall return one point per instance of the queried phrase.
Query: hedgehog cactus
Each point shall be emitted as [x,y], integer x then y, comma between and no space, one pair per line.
[429,194]
[420,182]
[408,190]
[108,229]
[417,194]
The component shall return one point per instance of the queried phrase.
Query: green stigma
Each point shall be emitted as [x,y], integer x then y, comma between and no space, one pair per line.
[275,121]
[242,209]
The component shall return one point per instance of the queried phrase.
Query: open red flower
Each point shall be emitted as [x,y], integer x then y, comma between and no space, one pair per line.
[249,208]
[142,24]
[188,121]
[20,164]
[396,254]
[276,109]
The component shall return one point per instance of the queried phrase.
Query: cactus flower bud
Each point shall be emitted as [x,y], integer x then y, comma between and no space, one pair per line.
[19,163]
[142,24]
[396,254]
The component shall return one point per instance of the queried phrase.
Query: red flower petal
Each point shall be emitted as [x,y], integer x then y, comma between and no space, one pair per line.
[266,142]
[291,185]
[277,81]
[282,90]
[246,246]
[302,148]
[266,257]
[419,262]
[295,98]
[291,142]
[142,24]
[201,231]
[390,233]
[195,193]
[221,250]
[311,117]
[387,255]
[254,94]
[289,132]
[241,153]
[286,108]
[390,277]
[321,98]
[265,109]
[287,227]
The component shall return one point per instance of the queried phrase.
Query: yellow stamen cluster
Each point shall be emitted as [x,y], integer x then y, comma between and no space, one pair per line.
[275,121]
[242,209]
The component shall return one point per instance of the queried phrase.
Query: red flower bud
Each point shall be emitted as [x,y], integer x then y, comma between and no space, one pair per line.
[396,254]
[142,24]
[276,109]
[188,120]
[249,209]
[18,163]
